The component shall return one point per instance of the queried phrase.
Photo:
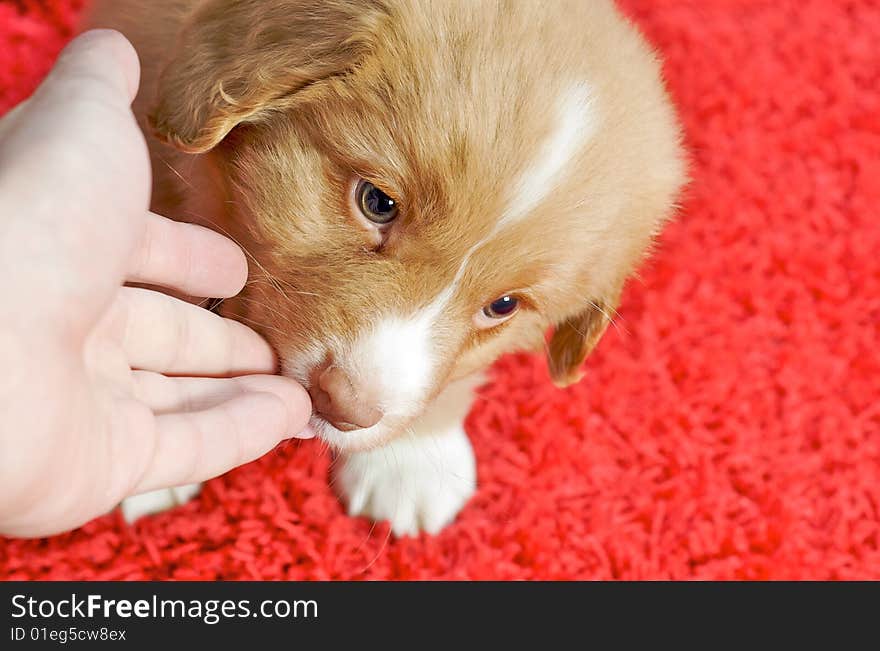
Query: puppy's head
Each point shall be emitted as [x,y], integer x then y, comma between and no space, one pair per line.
[423,185]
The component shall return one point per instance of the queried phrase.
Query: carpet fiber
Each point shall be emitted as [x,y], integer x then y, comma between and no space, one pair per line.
[728,427]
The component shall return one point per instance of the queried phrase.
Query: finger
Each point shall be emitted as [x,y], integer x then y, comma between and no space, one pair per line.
[193,447]
[100,63]
[164,334]
[76,173]
[189,258]
[98,69]
[166,395]
[104,59]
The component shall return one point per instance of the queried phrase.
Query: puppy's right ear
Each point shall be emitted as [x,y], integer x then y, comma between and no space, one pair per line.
[237,61]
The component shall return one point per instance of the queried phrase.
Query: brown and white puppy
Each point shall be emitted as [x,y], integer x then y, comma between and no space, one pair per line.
[422,185]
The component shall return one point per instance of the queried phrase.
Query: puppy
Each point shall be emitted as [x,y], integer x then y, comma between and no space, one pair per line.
[421,185]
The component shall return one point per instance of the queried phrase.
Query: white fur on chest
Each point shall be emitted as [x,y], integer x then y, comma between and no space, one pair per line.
[422,479]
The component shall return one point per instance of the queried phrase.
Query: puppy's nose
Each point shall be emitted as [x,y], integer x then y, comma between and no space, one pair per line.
[338,400]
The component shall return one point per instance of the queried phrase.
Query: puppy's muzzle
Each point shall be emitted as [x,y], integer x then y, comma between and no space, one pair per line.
[342,403]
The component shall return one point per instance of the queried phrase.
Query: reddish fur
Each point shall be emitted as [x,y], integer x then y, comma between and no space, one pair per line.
[272,106]
[729,429]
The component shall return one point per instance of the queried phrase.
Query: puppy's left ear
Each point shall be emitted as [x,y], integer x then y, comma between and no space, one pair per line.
[574,339]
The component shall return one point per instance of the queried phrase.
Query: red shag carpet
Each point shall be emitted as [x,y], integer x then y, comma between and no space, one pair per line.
[728,428]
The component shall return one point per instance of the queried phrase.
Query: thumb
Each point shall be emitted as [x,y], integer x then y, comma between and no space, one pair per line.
[87,94]
[75,177]
[101,58]
[101,63]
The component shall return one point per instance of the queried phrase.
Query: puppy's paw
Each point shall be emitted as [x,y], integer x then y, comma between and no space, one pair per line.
[137,506]
[418,483]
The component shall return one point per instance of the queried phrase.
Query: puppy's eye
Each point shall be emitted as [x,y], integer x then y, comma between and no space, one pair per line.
[374,204]
[497,311]
[503,307]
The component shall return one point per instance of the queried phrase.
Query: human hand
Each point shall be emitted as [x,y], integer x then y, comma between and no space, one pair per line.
[106,390]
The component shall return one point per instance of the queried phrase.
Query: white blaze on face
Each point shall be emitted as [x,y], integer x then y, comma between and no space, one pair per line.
[397,355]
[393,360]
[398,352]
[577,121]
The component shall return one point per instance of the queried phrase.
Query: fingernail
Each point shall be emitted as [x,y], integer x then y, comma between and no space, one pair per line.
[308,432]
